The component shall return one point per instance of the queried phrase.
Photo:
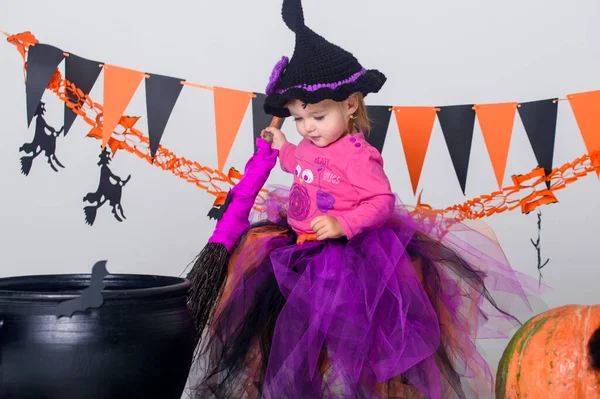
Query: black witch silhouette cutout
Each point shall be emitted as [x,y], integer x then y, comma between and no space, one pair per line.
[44,140]
[109,189]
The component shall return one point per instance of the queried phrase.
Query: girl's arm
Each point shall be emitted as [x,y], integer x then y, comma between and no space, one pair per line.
[287,157]
[375,198]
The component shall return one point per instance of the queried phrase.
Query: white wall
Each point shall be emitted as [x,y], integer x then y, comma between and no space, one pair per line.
[434,53]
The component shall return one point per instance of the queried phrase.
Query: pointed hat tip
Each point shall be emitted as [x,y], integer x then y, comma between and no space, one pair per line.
[292,14]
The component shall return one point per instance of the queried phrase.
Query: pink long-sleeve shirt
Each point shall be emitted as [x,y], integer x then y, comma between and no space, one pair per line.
[344,180]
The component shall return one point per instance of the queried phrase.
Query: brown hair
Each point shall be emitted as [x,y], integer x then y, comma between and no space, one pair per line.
[360,120]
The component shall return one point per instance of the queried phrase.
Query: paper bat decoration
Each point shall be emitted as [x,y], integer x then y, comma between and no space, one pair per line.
[216,212]
[90,297]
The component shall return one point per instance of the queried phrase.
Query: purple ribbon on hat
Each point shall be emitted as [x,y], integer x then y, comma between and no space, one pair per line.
[314,87]
[276,74]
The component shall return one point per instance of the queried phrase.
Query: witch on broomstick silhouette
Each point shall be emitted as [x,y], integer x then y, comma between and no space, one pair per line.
[42,142]
[110,188]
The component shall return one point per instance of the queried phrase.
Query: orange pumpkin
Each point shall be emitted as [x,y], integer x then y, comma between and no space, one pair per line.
[556,354]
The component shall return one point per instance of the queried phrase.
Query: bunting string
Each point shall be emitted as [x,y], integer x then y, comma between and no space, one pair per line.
[132,140]
[527,192]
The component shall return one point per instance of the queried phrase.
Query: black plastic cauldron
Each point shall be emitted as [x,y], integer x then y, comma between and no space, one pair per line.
[137,344]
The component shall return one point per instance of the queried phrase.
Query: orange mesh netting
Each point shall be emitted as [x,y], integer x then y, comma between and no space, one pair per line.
[528,191]
[127,137]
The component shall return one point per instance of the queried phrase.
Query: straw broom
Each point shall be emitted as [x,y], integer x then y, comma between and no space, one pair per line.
[209,271]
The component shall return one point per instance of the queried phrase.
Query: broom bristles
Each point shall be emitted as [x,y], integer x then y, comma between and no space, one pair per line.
[207,276]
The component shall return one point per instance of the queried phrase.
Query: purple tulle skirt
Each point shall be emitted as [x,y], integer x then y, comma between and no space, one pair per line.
[393,312]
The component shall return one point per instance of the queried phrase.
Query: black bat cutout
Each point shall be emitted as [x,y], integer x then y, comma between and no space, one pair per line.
[217,212]
[90,297]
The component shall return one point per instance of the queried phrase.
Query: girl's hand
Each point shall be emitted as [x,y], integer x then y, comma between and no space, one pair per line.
[278,137]
[326,227]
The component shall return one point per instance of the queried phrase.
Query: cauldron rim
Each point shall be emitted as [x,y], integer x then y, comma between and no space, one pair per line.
[173,286]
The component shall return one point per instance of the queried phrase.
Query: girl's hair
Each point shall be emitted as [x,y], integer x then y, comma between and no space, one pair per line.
[361,121]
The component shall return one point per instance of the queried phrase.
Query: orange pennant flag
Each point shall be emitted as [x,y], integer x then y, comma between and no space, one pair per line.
[230,108]
[586,107]
[415,125]
[120,85]
[496,122]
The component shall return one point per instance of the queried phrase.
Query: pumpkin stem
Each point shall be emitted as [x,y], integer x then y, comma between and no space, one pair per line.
[594,349]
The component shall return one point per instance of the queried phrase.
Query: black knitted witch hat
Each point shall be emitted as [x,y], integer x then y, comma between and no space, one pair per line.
[318,70]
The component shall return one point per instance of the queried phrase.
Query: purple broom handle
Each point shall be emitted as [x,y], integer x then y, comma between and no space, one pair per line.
[235,219]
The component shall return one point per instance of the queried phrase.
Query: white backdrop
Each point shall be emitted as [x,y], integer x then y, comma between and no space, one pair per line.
[434,53]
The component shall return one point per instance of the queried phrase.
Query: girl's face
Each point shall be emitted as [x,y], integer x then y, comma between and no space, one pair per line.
[325,122]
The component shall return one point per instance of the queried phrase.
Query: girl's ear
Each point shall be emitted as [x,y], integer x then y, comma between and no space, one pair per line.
[351,104]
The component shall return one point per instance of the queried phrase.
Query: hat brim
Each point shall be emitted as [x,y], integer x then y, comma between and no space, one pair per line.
[369,82]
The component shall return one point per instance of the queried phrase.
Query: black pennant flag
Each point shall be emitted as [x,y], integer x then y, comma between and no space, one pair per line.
[539,120]
[380,120]
[42,60]
[260,119]
[83,74]
[161,95]
[457,122]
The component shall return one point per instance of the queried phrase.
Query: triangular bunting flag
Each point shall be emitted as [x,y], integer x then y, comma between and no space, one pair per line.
[230,108]
[83,74]
[586,107]
[162,93]
[380,119]
[457,122]
[260,119]
[120,85]
[415,125]
[539,120]
[42,61]
[496,122]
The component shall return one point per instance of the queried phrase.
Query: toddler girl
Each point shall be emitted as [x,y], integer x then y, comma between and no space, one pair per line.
[341,290]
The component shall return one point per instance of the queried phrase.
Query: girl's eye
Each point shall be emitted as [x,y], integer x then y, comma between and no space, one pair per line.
[297,119]
[319,117]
